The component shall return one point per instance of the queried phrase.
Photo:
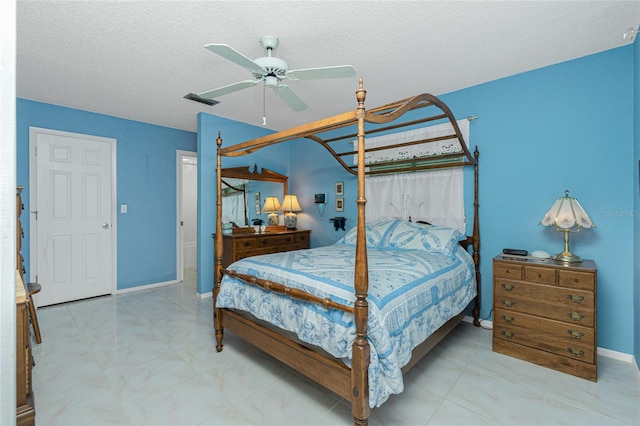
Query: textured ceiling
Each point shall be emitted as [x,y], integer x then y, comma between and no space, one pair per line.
[137,60]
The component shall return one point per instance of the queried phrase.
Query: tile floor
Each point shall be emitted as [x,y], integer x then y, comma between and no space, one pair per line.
[148,358]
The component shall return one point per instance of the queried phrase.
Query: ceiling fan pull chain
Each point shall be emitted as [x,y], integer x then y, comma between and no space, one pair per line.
[264,107]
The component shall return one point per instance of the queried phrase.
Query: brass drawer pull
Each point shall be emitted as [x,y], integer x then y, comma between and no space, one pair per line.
[575,334]
[246,243]
[507,318]
[575,299]
[576,354]
[265,242]
[288,239]
[508,287]
[508,303]
[508,334]
[576,316]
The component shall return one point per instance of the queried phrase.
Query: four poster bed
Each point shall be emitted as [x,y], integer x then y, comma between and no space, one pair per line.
[354,316]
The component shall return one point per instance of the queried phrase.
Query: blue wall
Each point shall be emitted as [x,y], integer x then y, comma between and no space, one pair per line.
[232,132]
[568,126]
[146,182]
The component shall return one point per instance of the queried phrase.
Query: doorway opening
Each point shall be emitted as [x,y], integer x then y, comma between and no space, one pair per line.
[187,216]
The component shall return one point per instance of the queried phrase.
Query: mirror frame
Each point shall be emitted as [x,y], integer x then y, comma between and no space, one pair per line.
[245,173]
[266,175]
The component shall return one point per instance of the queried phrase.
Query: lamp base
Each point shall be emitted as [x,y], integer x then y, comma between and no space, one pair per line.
[273,219]
[290,220]
[566,257]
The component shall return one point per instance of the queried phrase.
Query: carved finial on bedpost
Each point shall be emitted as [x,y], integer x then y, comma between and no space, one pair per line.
[361,94]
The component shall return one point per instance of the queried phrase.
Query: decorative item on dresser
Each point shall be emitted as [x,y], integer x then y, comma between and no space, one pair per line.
[25,407]
[545,313]
[238,246]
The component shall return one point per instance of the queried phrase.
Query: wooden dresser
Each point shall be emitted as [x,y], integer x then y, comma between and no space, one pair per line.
[545,313]
[25,408]
[238,246]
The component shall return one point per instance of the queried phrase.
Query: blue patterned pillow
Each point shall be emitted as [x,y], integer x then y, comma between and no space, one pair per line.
[375,233]
[414,236]
[403,235]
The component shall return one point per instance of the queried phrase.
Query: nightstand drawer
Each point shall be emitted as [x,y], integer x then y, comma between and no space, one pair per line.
[540,275]
[545,293]
[571,314]
[556,329]
[506,270]
[575,279]
[546,343]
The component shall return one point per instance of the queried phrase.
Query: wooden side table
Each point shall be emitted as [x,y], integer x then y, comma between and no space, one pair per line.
[545,312]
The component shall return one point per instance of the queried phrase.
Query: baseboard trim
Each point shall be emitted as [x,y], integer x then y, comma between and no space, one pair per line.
[620,356]
[147,286]
[205,295]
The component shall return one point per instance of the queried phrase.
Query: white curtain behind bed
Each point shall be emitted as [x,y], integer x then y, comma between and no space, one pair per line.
[435,196]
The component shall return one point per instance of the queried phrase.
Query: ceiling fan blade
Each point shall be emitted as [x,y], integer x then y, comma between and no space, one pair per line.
[340,71]
[233,55]
[289,96]
[228,89]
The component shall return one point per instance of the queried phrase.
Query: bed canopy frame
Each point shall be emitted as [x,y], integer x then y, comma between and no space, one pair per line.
[350,383]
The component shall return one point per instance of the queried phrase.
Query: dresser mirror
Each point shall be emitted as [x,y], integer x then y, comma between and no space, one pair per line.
[244,190]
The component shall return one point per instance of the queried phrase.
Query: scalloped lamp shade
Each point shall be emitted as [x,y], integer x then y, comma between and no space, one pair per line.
[289,206]
[567,215]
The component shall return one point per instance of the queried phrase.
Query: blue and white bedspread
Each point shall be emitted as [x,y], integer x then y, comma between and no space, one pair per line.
[411,294]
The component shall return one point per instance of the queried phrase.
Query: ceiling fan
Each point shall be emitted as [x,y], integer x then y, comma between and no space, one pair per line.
[272,71]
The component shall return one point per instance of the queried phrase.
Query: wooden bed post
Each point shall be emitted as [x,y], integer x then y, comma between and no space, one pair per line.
[361,351]
[476,239]
[218,248]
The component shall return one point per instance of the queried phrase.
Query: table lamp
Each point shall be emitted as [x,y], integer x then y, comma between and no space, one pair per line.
[271,206]
[289,206]
[567,215]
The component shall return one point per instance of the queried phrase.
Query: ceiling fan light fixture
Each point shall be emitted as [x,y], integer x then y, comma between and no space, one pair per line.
[271,81]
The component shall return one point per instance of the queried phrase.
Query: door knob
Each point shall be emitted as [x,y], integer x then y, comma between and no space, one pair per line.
[105,226]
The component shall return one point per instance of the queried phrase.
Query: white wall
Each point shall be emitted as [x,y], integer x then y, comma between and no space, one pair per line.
[7,212]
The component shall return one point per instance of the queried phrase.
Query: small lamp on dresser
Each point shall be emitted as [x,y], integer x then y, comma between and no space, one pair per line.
[271,206]
[290,205]
[567,215]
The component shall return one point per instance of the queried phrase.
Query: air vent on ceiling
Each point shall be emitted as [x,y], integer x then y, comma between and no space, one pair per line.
[194,97]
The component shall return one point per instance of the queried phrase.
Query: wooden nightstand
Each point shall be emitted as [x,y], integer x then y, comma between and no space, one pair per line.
[238,246]
[545,313]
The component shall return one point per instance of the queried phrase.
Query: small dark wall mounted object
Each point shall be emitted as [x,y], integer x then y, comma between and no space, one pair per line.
[338,222]
[320,200]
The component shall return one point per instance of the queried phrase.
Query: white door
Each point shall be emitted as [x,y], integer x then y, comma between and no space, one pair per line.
[72,215]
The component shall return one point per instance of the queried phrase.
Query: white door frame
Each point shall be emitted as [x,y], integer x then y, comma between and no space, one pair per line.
[33,224]
[179,235]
